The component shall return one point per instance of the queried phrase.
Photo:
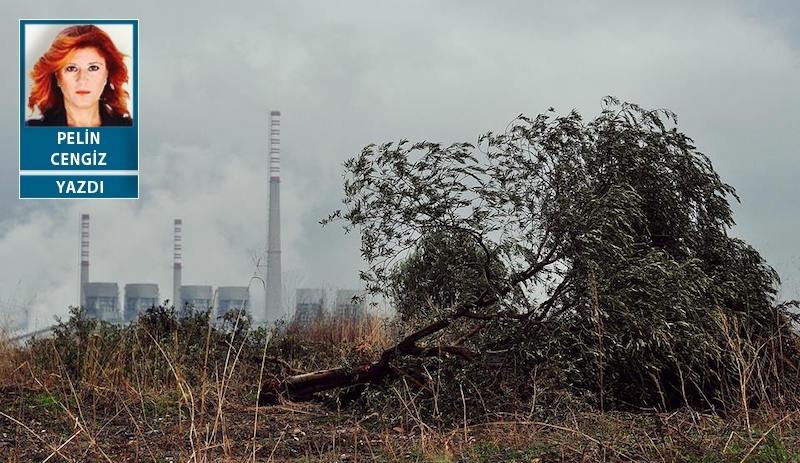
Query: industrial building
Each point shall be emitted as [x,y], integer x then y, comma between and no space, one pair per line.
[349,305]
[197,297]
[232,297]
[102,301]
[138,298]
[309,305]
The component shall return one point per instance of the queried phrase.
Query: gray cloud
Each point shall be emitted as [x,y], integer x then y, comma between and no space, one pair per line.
[347,74]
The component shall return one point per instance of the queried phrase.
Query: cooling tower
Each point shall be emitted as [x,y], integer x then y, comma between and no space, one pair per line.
[138,298]
[102,301]
[347,308]
[273,309]
[310,305]
[196,297]
[232,297]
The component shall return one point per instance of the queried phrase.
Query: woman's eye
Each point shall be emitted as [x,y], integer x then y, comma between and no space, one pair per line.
[94,67]
[71,68]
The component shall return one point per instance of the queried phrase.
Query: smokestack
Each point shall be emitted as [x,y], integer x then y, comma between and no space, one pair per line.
[177,263]
[273,310]
[84,259]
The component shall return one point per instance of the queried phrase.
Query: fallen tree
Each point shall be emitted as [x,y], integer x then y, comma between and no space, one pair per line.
[603,246]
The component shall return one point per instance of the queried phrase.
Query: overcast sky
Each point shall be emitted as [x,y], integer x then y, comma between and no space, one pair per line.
[345,74]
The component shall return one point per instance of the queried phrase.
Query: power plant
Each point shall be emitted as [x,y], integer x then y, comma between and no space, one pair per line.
[101,300]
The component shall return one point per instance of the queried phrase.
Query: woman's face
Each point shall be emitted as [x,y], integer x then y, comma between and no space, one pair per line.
[83,78]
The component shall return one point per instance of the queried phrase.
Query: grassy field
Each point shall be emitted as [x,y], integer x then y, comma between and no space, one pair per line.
[179,391]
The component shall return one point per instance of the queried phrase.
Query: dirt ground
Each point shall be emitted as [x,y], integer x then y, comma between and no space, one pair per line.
[36,426]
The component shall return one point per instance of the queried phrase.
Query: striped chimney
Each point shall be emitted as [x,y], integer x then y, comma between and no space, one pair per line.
[84,259]
[273,309]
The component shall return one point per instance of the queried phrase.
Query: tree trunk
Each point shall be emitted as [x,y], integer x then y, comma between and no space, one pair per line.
[302,387]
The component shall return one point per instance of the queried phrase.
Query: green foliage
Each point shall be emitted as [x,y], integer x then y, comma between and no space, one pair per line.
[596,249]
[74,342]
[47,402]
[773,451]
[446,269]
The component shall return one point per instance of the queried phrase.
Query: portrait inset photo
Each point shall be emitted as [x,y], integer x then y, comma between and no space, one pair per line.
[79,75]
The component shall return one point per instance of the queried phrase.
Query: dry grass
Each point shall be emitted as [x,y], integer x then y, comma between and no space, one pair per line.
[345,337]
[342,332]
[153,395]
[313,433]
[10,359]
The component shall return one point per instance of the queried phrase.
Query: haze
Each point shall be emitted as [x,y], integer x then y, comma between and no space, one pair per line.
[346,74]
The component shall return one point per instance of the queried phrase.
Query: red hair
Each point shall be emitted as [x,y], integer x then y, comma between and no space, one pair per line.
[45,93]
